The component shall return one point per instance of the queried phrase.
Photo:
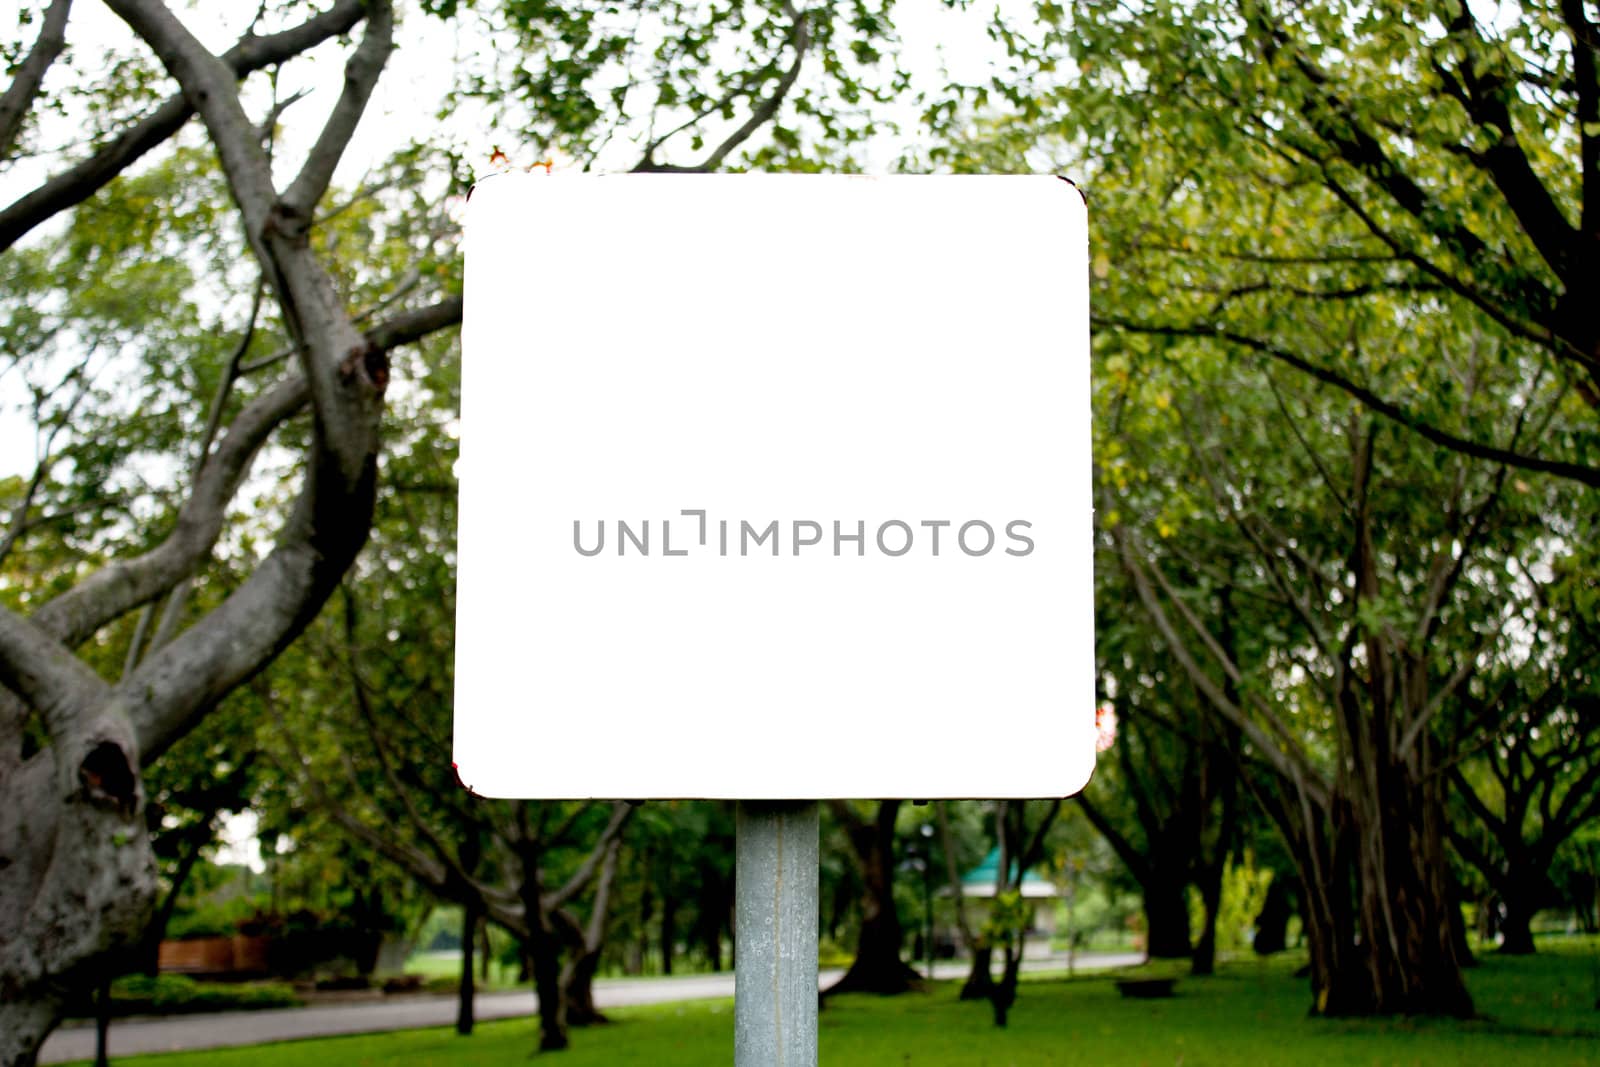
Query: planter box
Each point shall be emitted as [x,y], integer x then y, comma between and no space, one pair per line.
[215,956]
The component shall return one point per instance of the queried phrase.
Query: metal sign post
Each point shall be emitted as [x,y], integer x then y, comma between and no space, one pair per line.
[775,934]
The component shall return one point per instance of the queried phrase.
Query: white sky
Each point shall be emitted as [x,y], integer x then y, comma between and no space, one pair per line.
[237,841]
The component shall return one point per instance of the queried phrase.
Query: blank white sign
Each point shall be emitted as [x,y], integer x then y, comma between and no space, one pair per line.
[775,487]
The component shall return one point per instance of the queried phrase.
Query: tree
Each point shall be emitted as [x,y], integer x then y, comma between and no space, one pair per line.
[1327,193]
[63,916]
[1330,163]
[1392,203]
[1530,782]
[521,865]
[952,871]
[1022,847]
[877,967]
[366,744]
[1392,604]
[298,372]
[1180,782]
[676,886]
[1177,768]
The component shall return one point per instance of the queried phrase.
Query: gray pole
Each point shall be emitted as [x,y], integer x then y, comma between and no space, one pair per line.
[775,934]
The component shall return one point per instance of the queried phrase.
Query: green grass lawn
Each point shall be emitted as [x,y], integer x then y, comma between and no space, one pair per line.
[446,967]
[1537,1011]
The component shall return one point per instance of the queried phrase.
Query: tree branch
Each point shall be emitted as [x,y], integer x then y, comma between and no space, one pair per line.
[1338,126]
[1580,803]
[1286,759]
[1488,303]
[178,598]
[328,525]
[19,97]
[208,83]
[621,811]
[1033,852]
[413,325]
[119,587]
[1485,96]
[799,41]
[83,179]
[1586,78]
[380,748]
[361,74]
[1492,872]
[594,931]
[46,676]
[1587,475]
[435,875]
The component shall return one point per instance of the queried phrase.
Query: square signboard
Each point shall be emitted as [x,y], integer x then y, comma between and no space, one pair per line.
[775,486]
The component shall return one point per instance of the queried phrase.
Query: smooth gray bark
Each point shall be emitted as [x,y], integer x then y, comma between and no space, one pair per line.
[78,881]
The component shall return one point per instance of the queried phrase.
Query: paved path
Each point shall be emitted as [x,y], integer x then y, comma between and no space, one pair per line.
[223,1029]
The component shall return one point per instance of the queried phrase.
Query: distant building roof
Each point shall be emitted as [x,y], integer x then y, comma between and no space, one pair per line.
[979,882]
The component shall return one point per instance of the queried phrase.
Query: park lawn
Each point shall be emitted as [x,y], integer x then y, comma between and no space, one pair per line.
[446,967]
[1539,1011]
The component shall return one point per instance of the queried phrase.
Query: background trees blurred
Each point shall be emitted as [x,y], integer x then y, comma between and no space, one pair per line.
[1346,452]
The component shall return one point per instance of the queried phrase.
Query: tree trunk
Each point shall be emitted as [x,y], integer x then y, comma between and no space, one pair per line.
[469,939]
[1392,855]
[1522,886]
[1318,842]
[543,951]
[953,873]
[102,1024]
[80,884]
[578,990]
[23,1027]
[1458,924]
[1339,984]
[669,915]
[1003,994]
[1204,961]
[149,951]
[877,967]
[641,946]
[1516,928]
[1583,892]
[577,978]
[979,981]
[1166,912]
[1272,924]
[713,947]
[1218,787]
[1405,901]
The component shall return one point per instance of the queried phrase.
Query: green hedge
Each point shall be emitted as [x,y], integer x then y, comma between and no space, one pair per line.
[173,994]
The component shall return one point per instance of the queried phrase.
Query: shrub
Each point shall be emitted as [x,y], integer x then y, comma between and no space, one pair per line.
[173,994]
[1244,890]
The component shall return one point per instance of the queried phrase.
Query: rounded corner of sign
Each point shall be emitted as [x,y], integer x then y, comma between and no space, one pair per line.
[1062,183]
[1080,776]
[476,193]
[474,784]
[485,192]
